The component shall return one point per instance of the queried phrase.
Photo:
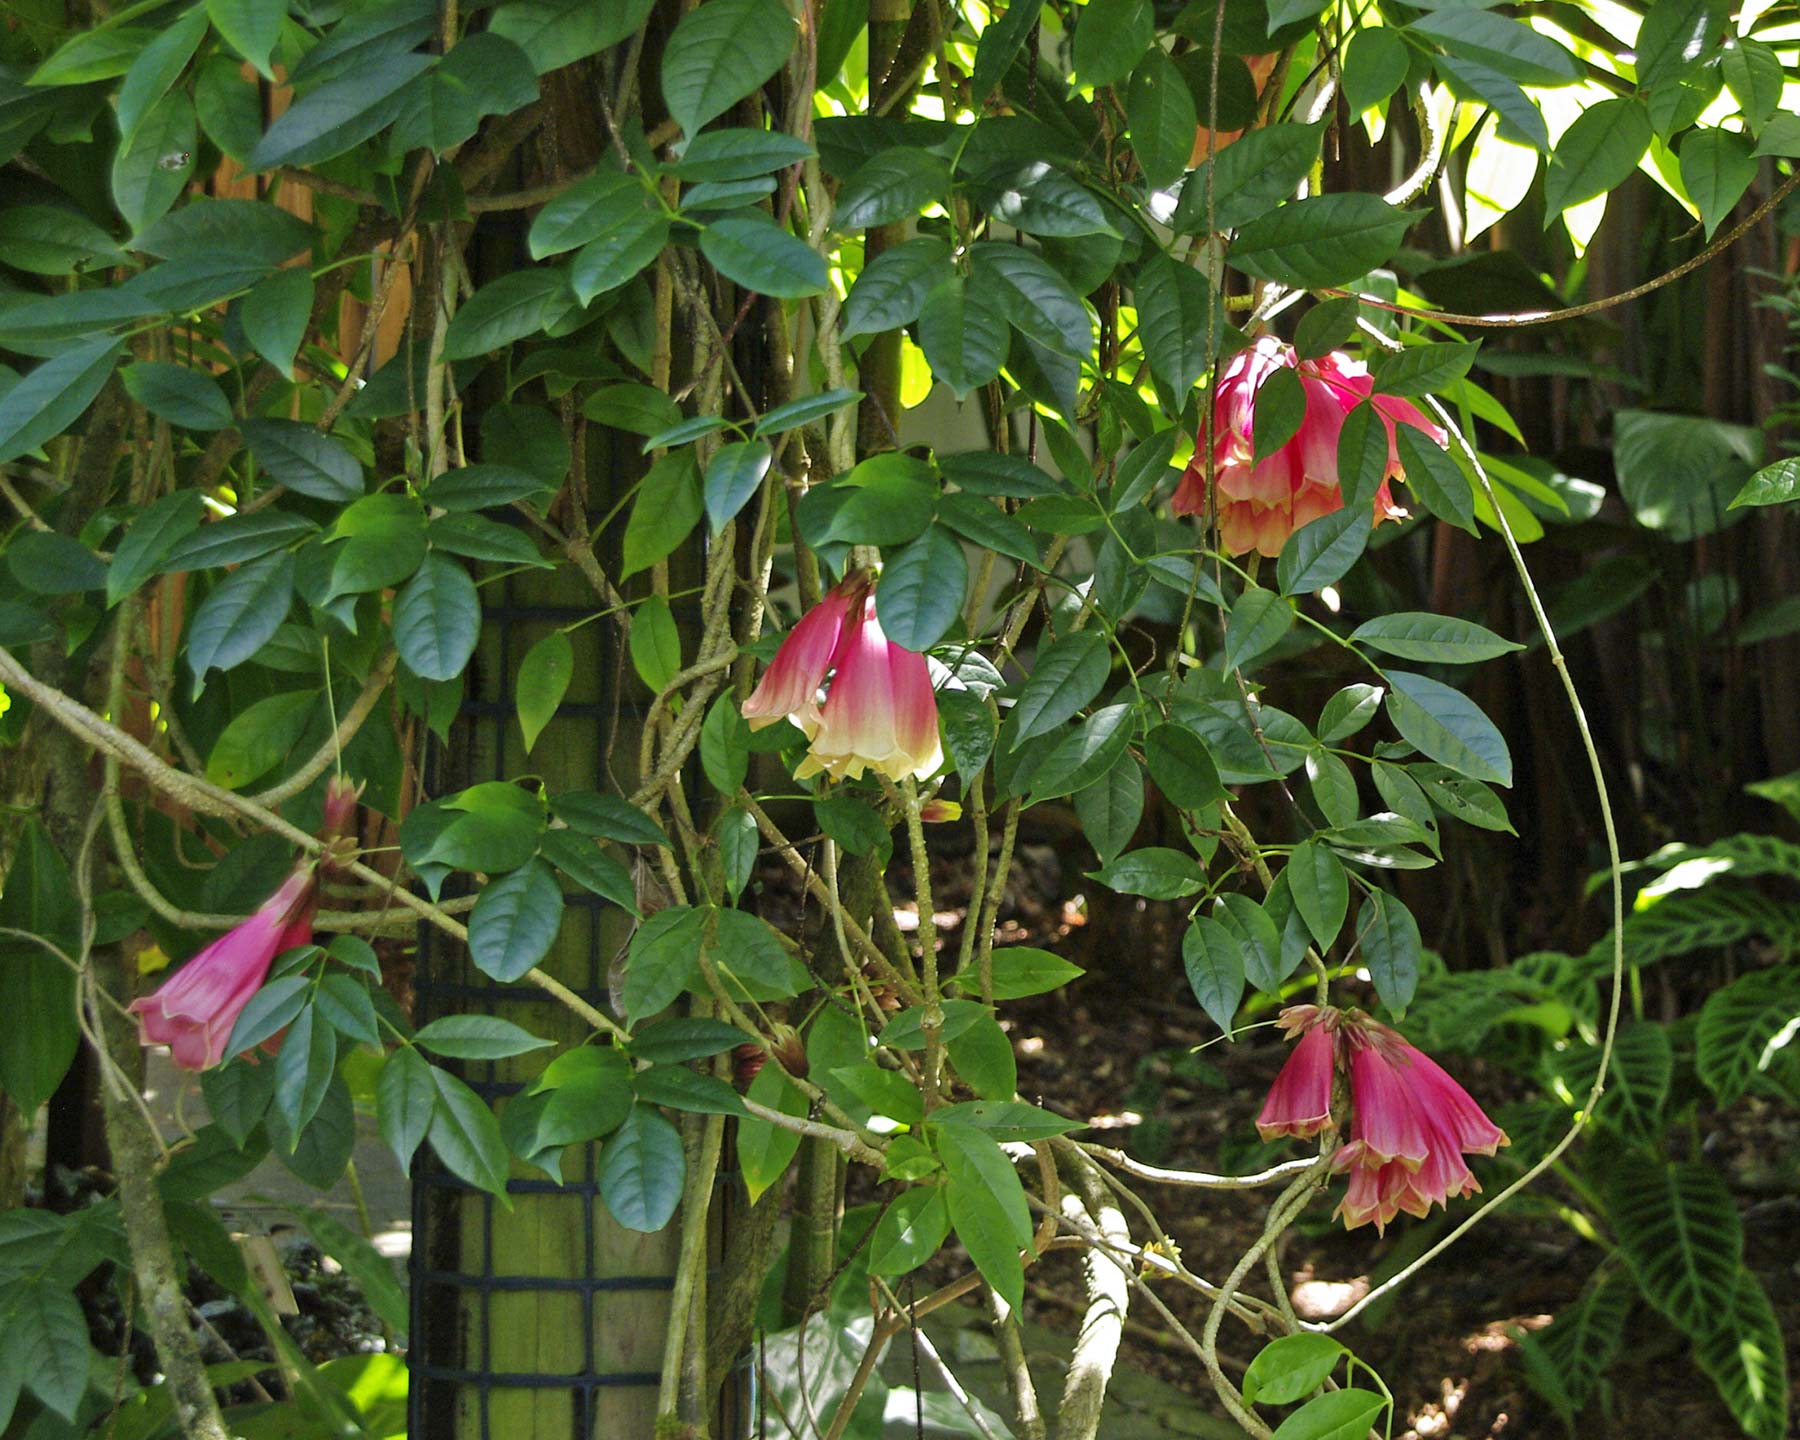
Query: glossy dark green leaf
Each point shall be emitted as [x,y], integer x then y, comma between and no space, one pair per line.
[1432,639]
[1320,889]
[1175,309]
[664,956]
[719,53]
[511,308]
[543,680]
[405,1103]
[1159,108]
[922,588]
[1595,154]
[1375,66]
[1322,551]
[1214,962]
[1064,678]
[152,171]
[1448,727]
[890,186]
[240,616]
[148,539]
[340,114]
[483,74]
[304,460]
[669,504]
[1250,176]
[1390,947]
[1500,42]
[733,475]
[466,1136]
[437,619]
[1110,38]
[1434,476]
[48,400]
[555,33]
[275,316]
[514,922]
[1321,241]
[891,289]
[963,332]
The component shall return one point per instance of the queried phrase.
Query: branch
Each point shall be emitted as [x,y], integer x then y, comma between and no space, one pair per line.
[1108,1288]
[1193,1179]
[334,744]
[207,799]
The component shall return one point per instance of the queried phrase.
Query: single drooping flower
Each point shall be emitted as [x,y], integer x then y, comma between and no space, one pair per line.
[789,688]
[1261,503]
[1411,1125]
[1299,1102]
[879,713]
[194,1011]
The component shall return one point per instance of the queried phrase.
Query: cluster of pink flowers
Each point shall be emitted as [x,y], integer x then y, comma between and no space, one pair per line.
[880,712]
[193,1012]
[1411,1125]
[1261,504]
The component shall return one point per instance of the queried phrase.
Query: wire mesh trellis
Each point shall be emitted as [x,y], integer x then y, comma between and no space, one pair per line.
[546,1320]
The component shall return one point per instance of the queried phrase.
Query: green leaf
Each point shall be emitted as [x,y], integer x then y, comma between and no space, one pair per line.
[1471,81]
[1375,66]
[963,332]
[97,54]
[150,172]
[1293,1366]
[631,234]
[655,643]
[515,920]
[1110,808]
[1175,311]
[764,1151]
[680,1088]
[889,500]
[804,411]
[250,27]
[663,958]
[511,308]
[1448,727]
[1675,34]
[889,186]
[1320,889]
[405,1103]
[1252,175]
[643,1169]
[1064,678]
[1501,43]
[1041,200]
[1257,938]
[466,1136]
[1083,756]
[761,256]
[228,106]
[1280,408]
[1259,620]
[892,287]
[1716,169]
[1775,485]
[738,155]
[54,240]
[275,316]
[1753,73]
[437,620]
[1362,455]
[1182,767]
[1739,1035]
[975,519]
[733,475]
[259,738]
[340,114]
[669,1042]
[1159,108]
[149,538]
[1745,1353]
[1330,323]
[1390,948]
[721,52]
[1019,971]
[608,817]
[343,1003]
[1432,639]
[1678,1226]
[725,745]
[1423,369]
[482,487]
[1110,38]
[483,74]
[1434,476]
[1036,299]
[1678,472]
[1214,962]
[983,1056]
[921,591]
[555,33]
[1319,242]
[304,460]
[1335,1415]
[1596,154]
[240,616]
[49,399]
[474,538]
[47,1344]
[667,507]
[987,1206]
[910,1231]
[544,677]
[46,563]
[578,857]
[38,899]
[157,67]
[1322,551]
[1155,872]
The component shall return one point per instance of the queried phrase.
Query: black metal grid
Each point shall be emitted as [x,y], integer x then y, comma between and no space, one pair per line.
[451,1308]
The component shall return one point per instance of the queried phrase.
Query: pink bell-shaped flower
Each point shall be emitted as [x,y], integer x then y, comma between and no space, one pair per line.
[789,688]
[880,714]
[1411,1127]
[1299,1102]
[193,1012]
[1261,503]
